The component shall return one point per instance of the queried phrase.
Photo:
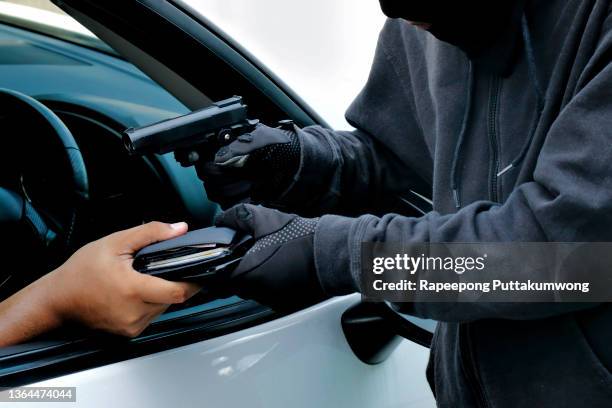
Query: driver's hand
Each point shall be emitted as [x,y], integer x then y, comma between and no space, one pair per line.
[98,287]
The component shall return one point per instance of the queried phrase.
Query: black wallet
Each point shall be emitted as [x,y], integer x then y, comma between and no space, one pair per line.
[199,256]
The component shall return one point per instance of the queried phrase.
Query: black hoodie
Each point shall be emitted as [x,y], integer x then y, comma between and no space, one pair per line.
[523,155]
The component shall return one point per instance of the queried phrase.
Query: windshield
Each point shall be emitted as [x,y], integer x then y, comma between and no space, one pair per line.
[322,49]
[44,17]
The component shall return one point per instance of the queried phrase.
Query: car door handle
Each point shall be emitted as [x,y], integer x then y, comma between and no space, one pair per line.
[373,331]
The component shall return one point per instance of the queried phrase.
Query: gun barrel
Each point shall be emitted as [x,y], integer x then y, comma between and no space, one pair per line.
[187,130]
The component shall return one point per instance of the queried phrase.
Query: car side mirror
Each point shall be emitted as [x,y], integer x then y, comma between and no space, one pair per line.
[374,330]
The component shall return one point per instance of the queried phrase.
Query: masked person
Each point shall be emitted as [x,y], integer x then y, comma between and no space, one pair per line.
[502,111]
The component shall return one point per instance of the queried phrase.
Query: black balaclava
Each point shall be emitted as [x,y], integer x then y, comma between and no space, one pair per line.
[483,29]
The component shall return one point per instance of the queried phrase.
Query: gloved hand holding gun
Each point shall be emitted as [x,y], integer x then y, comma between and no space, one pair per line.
[259,166]
[238,159]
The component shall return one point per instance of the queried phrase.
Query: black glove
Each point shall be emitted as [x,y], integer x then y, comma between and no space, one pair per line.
[259,166]
[279,270]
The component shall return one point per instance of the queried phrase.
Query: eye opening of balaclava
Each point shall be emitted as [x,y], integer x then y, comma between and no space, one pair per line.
[475,26]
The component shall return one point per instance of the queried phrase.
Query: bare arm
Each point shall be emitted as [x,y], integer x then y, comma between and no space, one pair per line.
[27,313]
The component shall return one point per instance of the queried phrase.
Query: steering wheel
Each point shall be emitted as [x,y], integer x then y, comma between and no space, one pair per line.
[17,211]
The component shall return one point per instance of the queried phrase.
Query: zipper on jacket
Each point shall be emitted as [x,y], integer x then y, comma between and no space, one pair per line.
[468,363]
[493,140]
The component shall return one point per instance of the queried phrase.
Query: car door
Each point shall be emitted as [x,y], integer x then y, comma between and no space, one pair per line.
[228,353]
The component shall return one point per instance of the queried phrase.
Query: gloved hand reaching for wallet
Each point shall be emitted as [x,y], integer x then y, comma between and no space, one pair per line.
[259,165]
[279,270]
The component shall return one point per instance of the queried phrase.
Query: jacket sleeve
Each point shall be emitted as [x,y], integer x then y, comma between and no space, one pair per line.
[358,172]
[568,200]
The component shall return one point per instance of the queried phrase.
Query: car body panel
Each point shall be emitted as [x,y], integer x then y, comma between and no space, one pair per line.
[301,360]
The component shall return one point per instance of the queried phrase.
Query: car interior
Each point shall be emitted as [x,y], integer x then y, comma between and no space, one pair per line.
[64,103]
[119,190]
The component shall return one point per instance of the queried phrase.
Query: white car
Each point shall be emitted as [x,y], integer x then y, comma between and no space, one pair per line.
[65,89]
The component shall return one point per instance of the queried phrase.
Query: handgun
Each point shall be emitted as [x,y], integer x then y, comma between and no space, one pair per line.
[202,132]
